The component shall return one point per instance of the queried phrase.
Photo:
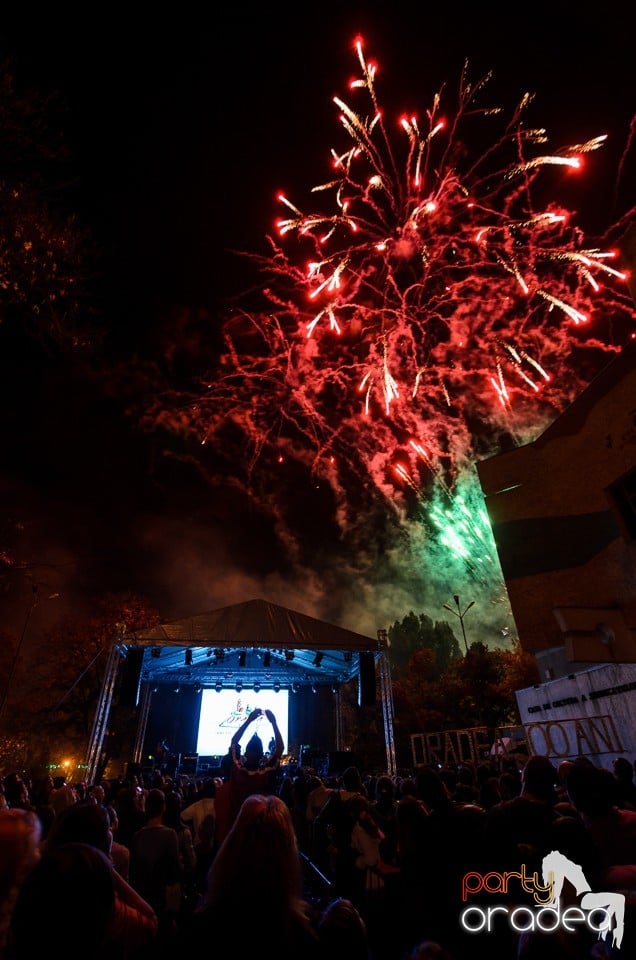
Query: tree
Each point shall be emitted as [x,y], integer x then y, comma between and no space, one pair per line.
[47,313]
[54,716]
[518,669]
[473,690]
[491,678]
[415,633]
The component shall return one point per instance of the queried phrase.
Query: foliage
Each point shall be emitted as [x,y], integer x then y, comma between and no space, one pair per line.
[473,690]
[65,681]
[479,689]
[48,263]
[413,633]
[436,688]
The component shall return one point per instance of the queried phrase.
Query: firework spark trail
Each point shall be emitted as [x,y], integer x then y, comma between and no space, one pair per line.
[443,304]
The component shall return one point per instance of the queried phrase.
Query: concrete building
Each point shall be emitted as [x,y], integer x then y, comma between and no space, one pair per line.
[563,514]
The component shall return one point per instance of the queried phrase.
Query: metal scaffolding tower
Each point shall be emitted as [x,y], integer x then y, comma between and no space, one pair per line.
[386,693]
[339,728]
[142,725]
[100,720]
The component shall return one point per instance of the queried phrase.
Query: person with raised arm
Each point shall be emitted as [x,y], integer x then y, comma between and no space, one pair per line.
[252,770]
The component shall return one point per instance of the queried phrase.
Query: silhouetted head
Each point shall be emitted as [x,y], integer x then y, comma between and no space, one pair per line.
[539,777]
[81,823]
[563,769]
[352,780]
[343,932]
[384,787]
[591,789]
[254,749]
[209,787]
[431,788]
[71,888]
[623,769]
[155,803]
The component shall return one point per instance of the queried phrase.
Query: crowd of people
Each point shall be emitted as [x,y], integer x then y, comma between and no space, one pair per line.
[289,863]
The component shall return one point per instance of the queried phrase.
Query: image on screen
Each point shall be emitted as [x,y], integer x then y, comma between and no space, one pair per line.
[223,713]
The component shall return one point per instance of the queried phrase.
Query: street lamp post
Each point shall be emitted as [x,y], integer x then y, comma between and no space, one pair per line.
[460,615]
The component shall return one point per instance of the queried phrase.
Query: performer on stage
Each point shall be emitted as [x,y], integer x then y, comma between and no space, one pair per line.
[162,752]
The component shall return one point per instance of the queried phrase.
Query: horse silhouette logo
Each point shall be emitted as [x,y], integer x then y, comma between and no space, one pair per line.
[556,869]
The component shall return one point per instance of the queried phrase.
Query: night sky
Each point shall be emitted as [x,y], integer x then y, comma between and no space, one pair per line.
[180,136]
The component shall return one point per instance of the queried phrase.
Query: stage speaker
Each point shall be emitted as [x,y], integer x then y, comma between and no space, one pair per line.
[317,760]
[339,760]
[188,764]
[171,766]
[366,680]
[130,677]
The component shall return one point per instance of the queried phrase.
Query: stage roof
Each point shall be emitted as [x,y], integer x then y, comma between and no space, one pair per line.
[251,642]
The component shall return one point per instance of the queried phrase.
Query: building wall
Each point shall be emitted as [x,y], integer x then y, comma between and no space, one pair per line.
[569,566]
[588,713]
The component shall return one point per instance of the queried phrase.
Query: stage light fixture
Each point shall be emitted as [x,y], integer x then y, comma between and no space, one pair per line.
[219,653]
[197,688]
[295,687]
[318,659]
[267,659]
[177,689]
[218,686]
[242,658]
[188,657]
[289,655]
[277,687]
[257,687]
[314,688]
[239,686]
[334,688]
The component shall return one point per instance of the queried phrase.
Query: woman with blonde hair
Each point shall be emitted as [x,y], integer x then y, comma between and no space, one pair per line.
[255,885]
